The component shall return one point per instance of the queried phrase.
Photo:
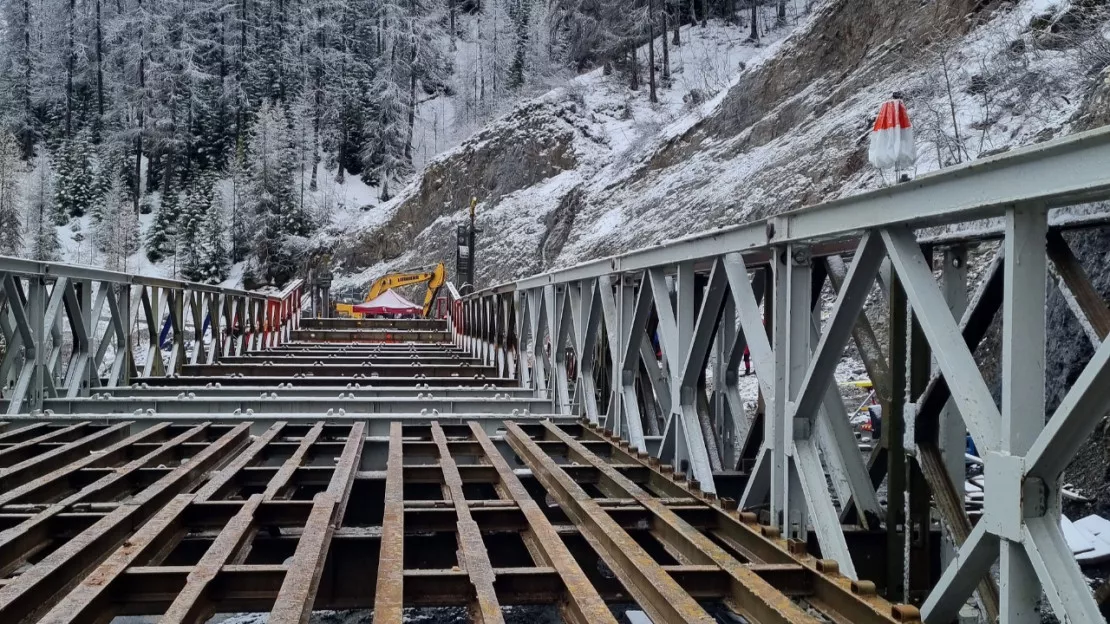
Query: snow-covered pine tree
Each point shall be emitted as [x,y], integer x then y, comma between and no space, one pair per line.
[590,32]
[40,241]
[76,189]
[238,206]
[519,13]
[384,154]
[12,171]
[199,202]
[271,200]
[160,235]
[214,261]
[412,56]
[117,232]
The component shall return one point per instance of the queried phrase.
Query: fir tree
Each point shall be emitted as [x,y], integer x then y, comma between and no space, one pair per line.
[160,235]
[117,232]
[238,206]
[11,174]
[41,240]
[199,202]
[271,197]
[76,188]
[214,261]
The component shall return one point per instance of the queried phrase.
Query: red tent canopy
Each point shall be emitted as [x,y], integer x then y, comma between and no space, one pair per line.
[388,302]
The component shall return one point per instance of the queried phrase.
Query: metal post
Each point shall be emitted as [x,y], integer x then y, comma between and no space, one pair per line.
[893,429]
[797,330]
[1023,375]
[775,421]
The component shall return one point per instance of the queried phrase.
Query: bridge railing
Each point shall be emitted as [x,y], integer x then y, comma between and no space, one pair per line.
[67,329]
[651,345]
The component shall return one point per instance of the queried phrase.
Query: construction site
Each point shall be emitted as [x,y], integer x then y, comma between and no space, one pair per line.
[574,446]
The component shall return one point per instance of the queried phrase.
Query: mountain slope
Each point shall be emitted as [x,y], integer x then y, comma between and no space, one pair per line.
[789,130]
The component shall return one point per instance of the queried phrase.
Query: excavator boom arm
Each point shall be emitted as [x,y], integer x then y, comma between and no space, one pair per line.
[435,279]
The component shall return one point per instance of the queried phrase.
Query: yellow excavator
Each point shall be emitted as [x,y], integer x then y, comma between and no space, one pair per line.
[435,278]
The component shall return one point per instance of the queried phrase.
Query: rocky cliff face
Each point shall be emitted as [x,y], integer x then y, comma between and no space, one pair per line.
[532,144]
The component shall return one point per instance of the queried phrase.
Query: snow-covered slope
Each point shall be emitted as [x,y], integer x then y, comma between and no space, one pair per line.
[530,168]
[788,128]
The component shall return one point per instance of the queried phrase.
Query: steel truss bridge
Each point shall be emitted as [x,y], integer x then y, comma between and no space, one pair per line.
[577,439]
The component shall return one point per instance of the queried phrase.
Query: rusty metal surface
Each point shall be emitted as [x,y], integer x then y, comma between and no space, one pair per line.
[36,589]
[389,601]
[751,595]
[302,579]
[583,605]
[473,558]
[192,605]
[655,591]
[189,521]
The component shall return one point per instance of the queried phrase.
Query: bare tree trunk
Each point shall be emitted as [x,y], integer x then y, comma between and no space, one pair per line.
[782,12]
[71,55]
[677,26]
[666,48]
[140,118]
[704,13]
[652,97]
[755,21]
[99,71]
[634,70]
[451,8]
[693,12]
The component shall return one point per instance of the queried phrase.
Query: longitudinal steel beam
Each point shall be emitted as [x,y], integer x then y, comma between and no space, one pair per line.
[38,588]
[654,590]
[302,579]
[90,600]
[193,603]
[750,595]
[473,557]
[583,605]
[389,599]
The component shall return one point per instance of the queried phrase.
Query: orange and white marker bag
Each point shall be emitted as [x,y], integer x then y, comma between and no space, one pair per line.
[892,138]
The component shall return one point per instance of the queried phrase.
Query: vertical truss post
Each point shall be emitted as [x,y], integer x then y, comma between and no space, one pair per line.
[562,331]
[609,309]
[213,308]
[623,417]
[892,434]
[634,315]
[728,407]
[1023,376]
[36,310]
[85,374]
[524,329]
[120,308]
[536,314]
[775,425]
[917,531]
[796,426]
[760,334]
[684,442]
